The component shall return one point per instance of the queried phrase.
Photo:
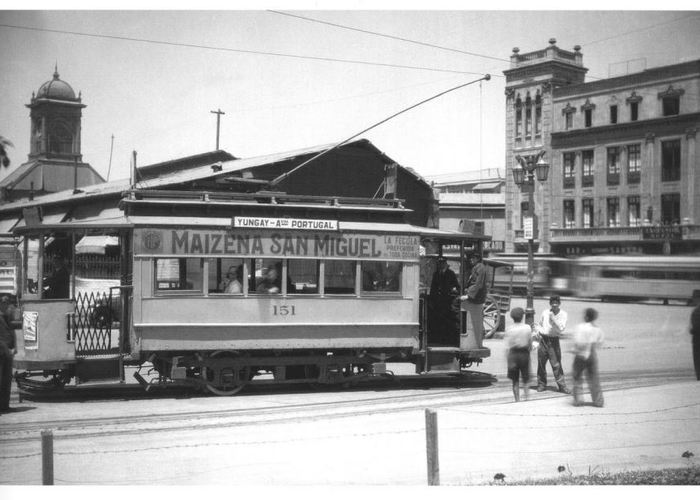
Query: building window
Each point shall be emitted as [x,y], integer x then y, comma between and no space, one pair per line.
[588,117]
[671,160]
[587,168]
[671,208]
[671,105]
[538,116]
[613,212]
[634,111]
[671,101]
[634,163]
[528,118]
[518,120]
[60,138]
[587,211]
[613,166]
[569,214]
[634,211]
[569,163]
[613,114]
[569,120]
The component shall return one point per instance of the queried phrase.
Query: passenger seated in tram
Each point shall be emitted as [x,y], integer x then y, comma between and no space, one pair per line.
[233,283]
[272,280]
[57,285]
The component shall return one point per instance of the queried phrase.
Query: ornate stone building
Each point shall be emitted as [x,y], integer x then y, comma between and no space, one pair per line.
[624,176]
[55,160]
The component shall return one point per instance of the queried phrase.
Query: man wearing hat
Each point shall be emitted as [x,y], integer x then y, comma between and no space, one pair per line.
[551,327]
[444,290]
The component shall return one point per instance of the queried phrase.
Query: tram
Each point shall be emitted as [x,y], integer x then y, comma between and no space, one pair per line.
[661,277]
[328,290]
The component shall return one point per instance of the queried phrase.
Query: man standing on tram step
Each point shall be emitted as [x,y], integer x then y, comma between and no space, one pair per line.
[444,290]
[695,332]
[7,352]
[550,328]
[473,301]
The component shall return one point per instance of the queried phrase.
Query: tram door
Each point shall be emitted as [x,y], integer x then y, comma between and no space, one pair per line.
[440,318]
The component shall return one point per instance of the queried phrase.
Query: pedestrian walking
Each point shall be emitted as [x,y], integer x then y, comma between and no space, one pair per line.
[473,300]
[695,332]
[7,352]
[587,339]
[551,327]
[518,340]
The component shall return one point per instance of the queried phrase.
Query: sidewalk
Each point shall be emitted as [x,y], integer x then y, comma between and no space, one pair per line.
[641,428]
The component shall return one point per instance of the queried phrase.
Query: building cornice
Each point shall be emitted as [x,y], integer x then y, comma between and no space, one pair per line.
[658,74]
[623,131]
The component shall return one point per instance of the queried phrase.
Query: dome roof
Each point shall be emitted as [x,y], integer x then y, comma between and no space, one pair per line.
[56,89]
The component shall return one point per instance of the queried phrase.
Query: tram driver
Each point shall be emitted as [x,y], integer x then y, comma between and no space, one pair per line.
[57,285]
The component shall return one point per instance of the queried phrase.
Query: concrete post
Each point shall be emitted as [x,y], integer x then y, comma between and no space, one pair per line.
[431,438]
[47,457]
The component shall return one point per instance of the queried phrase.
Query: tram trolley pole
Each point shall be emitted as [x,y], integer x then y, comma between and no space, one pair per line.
[431,442]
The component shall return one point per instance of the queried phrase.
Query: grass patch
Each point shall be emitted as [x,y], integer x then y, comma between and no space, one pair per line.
[680,476]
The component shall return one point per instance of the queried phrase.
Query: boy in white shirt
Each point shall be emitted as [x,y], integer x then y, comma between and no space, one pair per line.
[587,338]
[551,328]
[518,340]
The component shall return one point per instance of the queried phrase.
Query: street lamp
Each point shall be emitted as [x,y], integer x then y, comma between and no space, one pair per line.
[524,173]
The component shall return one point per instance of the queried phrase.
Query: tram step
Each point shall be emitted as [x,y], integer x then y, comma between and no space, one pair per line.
[98,369]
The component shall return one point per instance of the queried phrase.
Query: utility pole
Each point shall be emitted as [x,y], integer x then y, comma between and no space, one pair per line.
[218,114]
[111,148]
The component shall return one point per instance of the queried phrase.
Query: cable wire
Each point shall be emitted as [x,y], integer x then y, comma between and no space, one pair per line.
[242,51]
[393,37]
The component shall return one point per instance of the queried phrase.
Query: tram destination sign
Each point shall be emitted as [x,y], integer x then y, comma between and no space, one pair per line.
[276,223]
[256,243]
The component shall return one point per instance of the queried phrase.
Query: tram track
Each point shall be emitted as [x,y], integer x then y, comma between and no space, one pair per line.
[497,393]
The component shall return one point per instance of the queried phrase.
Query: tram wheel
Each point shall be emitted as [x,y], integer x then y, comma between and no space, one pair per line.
[491,317]
[222,379]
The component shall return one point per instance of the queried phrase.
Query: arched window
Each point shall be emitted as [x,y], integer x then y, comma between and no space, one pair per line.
[518,118]
[60,138]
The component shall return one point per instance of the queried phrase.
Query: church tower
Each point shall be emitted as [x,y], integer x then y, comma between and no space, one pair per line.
[55,161]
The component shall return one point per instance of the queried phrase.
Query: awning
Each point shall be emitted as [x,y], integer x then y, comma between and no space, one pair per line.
[486,185]
[96,244]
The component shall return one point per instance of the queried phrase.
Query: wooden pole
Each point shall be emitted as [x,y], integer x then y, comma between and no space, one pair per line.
[47,457]
[431,441]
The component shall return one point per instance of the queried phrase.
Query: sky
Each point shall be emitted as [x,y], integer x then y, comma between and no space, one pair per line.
[291,75]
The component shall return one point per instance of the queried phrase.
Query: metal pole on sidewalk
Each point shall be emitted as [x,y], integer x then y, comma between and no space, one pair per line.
[47,457]
[431,441]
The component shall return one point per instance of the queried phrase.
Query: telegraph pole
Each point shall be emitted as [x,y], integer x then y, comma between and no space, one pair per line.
[218,114]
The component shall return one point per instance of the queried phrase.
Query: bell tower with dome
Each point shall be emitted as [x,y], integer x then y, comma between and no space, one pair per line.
[55,113]
[55,161]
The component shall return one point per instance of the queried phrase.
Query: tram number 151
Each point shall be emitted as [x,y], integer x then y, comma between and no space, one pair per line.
[284,310]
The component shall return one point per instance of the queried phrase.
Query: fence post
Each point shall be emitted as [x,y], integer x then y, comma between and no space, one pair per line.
[47,457]
[431,441]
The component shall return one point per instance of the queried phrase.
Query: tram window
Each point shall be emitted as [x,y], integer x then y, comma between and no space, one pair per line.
[226,276]
[339,277]
[267,276]
[303,273]
[32,267]
[381,276]
[179,274]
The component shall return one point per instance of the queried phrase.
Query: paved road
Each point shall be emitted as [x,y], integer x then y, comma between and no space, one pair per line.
[375,434]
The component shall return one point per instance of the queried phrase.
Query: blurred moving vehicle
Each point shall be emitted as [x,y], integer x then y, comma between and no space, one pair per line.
[551,274]
[637,277]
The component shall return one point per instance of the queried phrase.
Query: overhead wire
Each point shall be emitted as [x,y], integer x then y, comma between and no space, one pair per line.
[384,35]
[241,51]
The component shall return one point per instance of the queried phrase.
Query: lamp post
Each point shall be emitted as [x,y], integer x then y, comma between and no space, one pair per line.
[524,173]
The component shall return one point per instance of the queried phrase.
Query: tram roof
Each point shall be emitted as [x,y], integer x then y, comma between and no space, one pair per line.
[110,221]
